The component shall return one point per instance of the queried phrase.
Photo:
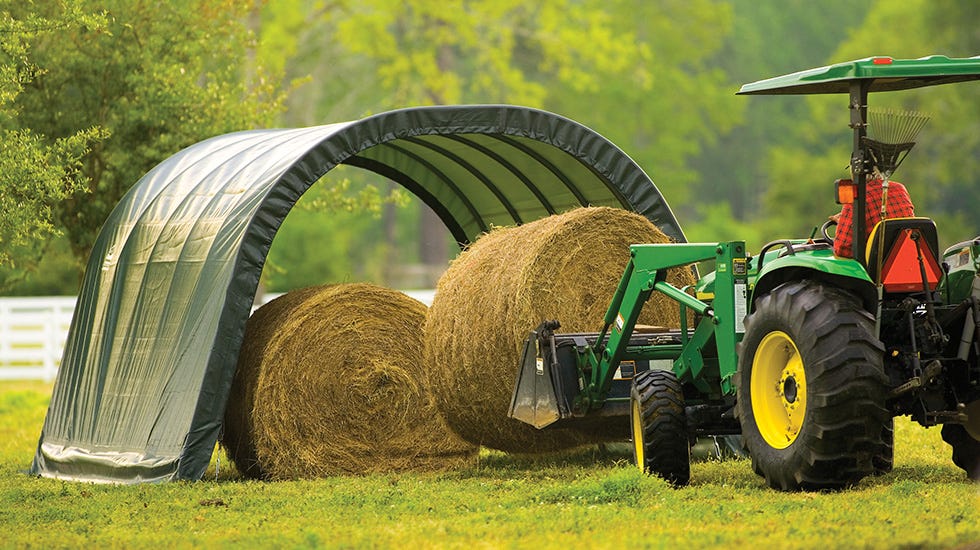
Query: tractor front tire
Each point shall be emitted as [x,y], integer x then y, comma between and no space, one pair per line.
[659,426]
[965,440]
[811,389]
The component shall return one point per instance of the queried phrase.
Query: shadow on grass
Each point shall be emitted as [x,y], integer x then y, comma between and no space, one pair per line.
[709,469]
[500,466]
[926,473]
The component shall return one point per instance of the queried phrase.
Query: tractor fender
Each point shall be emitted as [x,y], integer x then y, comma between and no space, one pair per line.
[818,265]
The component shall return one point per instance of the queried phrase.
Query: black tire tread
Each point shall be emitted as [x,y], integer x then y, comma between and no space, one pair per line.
[884,460]
[842,439]
[966,450]
[665,438]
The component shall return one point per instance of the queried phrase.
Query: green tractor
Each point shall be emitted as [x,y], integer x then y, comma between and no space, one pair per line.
[806,355]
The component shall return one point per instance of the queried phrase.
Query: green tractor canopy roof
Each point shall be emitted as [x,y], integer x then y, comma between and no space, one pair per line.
[858,79]
[886,74]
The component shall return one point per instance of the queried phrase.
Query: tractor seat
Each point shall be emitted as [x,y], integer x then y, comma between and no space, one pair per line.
[893,254]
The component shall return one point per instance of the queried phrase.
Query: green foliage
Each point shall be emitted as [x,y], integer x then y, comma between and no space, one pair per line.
[16,67]
[376,55]
[672,100]
[801,191]
[591,498]
[641,74]
[340,198]
[155,78]
[35,177]
[340,231]
[36,174]
[718,223]
[659,79]
[770,38]
[58,273]
[93,94]
[425,52]
[941,172]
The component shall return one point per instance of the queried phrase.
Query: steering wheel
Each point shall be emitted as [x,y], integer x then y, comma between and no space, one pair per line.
[825,228]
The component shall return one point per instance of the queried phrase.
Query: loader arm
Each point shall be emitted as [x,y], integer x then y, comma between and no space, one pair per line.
[720,321]
[568,377]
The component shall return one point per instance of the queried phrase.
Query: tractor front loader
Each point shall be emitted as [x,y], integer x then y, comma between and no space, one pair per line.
[807,355]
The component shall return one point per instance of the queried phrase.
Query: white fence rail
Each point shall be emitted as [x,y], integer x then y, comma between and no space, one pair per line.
[33,333]
[32,336]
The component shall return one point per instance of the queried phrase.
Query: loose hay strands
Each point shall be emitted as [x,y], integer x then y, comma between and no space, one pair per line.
[339,387]
[563,267]
[239,429]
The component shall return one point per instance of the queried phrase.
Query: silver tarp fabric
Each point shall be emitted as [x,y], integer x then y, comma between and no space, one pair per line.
[159,321]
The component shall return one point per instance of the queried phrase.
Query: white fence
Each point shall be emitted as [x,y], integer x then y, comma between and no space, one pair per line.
[33,333]
[32,336]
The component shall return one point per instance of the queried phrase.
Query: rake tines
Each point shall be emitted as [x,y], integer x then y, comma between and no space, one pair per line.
[891,136]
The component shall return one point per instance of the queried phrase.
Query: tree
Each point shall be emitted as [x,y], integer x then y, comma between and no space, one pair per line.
[669,103]
[154,79]
[636,72]
[770,38]
[36,173]
[942,170]
[640,73]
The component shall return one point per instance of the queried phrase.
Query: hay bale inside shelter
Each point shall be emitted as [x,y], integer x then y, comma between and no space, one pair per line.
[238,438]
[330,382]
[563,267]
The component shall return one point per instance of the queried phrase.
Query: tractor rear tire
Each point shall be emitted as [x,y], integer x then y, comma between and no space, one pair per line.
[884,461]
[811,389]
[659,426]
[965,441]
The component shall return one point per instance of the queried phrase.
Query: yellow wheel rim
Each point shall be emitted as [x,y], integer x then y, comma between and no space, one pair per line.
[778,387]
[636,422]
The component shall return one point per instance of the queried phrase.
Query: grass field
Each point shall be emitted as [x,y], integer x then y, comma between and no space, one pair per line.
[583,499]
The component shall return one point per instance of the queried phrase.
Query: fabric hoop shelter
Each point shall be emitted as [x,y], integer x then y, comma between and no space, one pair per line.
[152,348]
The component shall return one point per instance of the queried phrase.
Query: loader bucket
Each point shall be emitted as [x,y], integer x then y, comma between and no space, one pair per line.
[538,386]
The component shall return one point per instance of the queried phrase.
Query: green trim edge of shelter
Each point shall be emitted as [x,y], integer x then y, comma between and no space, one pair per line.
[154,341]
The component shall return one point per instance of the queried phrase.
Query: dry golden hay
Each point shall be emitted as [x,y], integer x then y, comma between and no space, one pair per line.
[563,267]
[334,383]
[260,330]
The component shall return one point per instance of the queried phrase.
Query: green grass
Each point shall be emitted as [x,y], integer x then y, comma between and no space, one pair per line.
[583,499]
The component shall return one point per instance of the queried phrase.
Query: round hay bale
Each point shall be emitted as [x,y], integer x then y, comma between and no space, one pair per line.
[238,436]
[563,267]
[340,388]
